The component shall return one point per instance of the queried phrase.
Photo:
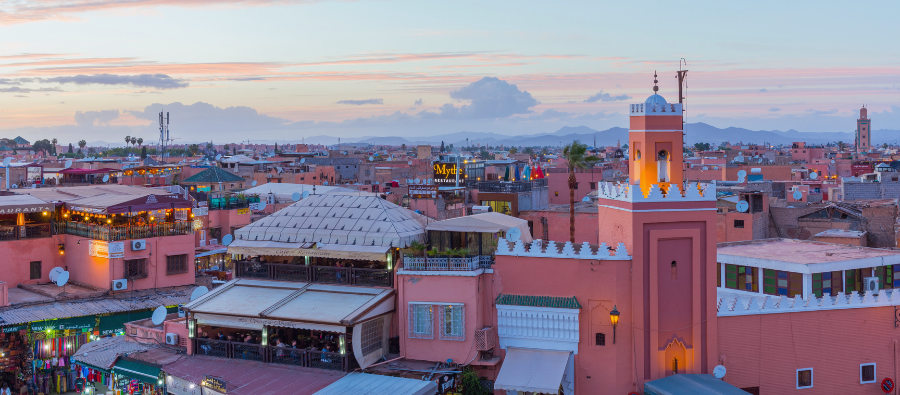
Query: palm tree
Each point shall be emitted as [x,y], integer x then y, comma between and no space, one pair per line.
[841,146]
[133,141]
[127,141]
[575,155]
[140,141]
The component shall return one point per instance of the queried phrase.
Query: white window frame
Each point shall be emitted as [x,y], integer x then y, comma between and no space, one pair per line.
[874,373]
[427,331]
[811,378]
[461,325]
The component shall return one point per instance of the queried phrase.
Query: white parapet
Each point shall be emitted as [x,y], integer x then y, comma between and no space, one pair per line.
[764,304]
[550,249]
[694,192]
[655,109]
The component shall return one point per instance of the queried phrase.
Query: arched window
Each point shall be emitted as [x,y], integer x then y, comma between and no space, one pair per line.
[674,270]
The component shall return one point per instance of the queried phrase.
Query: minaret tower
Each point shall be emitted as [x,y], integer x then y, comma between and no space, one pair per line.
[670,229]
[863,131]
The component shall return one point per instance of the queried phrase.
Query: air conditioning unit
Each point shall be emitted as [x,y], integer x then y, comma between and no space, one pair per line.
[138,245]
[172,339]
[120,285]
[871,284]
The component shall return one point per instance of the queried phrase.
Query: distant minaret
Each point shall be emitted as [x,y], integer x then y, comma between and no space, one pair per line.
[863,131]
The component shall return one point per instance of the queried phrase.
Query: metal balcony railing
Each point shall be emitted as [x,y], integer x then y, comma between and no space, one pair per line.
[118,233]
[280,355]
[315,274]
[470,262]
[21,232]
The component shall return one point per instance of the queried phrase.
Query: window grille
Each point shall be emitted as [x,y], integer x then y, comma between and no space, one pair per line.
[867,373]
[739,223]
[372,335]
[36,270]
[452,323]
[600,339]
[421,321]
[176,264]
[136,268]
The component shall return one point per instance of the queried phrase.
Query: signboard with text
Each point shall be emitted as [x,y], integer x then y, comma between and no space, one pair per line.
[105,249]
[200,211]
[423,191]
[243,211]
[445,173]
[214,383]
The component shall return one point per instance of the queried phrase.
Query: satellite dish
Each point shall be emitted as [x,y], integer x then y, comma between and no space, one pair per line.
[68,163]
[742,173]
[62,278]
[409,163]
[261,205]
[198,292]
[743,206]
[159,315]
[705,167]
[227,240]
[305,194]
[513,234]
[586,199]
[55,273]
[218,156]
[7,160]
[719,372]
[371,158]
[325,183]
[303,160]
[14,186]
[798,195]
[106,178]
[377,182]
[813,175]
[418,181]
[832,161]
[296,196]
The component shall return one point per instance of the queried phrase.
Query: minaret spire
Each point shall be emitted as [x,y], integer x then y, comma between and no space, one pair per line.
[655,81]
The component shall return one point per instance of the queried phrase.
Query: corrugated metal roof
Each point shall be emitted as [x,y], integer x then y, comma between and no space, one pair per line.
[103,353]
[373,384]
[50,311]
[213,174]
[539,301]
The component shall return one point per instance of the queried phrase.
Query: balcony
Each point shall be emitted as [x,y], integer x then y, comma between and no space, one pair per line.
[231,202]
[118,233]
[467,263]
[279,355]
[315,274]
[22,232]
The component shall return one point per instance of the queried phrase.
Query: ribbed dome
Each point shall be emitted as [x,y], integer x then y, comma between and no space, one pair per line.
[655,99]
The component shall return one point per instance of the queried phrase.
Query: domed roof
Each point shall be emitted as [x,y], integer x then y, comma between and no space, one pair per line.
[655,99]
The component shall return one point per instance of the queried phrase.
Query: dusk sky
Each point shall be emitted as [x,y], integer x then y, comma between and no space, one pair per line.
[286,70]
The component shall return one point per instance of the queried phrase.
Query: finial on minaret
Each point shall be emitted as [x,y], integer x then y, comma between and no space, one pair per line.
[655,81]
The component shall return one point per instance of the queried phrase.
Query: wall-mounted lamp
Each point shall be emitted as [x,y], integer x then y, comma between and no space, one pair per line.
[614,321]
[62,249]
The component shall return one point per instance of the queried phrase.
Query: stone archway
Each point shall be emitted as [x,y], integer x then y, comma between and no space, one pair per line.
[675,360]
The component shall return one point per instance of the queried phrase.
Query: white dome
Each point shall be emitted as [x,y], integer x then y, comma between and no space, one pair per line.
[655,99]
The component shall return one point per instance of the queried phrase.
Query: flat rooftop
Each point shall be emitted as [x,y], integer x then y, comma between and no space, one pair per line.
[804,256]
[801,251]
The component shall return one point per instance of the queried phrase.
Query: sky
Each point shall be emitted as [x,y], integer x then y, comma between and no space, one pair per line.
[280,70]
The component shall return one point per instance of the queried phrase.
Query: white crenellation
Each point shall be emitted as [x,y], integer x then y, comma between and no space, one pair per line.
[553,250]
[632,193]
[733,306]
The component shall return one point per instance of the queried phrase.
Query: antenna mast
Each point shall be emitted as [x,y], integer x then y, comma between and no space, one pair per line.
[681,86]
[163,132]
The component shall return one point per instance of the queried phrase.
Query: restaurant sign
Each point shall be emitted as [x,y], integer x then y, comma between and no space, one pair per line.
[243,211]
[105,249]
[26,209]
[180,386]
[423,191]
[446,173]
[317,253]
[214,383]
[200,211]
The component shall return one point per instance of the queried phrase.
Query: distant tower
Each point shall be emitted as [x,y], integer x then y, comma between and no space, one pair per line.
[863,131]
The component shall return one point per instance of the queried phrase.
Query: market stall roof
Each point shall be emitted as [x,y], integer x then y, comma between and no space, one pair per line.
[102,353]
[87,171]
[284,191]
[275,248]
[691,384]
[288,304]
[237,159]
[117,204]
[374,384]
[213,175]
[14,204]
[137,370]
[485,222]
[71,193]
[252,377]
[539,371]
[339,219]
[211,252]
[138,300]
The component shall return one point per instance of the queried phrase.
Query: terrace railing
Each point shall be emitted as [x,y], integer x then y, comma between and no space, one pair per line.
[118,233]
[22,232]
[315,274]
[470,262]
[279,355]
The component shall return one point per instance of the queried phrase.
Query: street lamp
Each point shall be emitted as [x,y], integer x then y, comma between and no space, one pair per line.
[614,321]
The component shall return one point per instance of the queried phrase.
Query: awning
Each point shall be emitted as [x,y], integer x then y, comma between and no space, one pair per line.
[483,223]
[213,252]
[341,251]
[365,383]
[119,204]
[110,324]
[539,371]
[14,328]
[83,322]
[691,384]
[14,204]
[136,370]
[86,171]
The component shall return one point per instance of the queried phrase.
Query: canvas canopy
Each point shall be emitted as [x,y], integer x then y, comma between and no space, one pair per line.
[274,248]
[538,371]
[118,204]
[483,223]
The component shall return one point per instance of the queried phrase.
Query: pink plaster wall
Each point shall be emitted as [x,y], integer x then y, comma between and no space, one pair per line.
[586,225]
[725,230]
[100,272]
[765,350]
[18,254]
[558,185]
